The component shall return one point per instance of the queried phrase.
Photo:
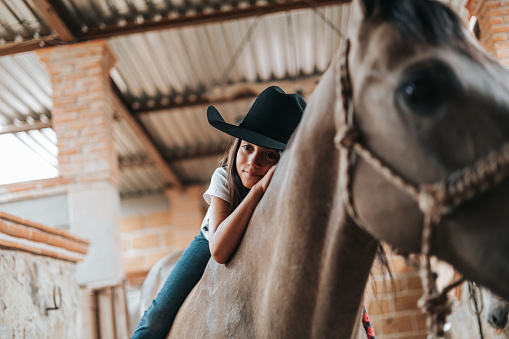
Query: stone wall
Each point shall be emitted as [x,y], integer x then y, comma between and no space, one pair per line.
[26,290]
[35,262]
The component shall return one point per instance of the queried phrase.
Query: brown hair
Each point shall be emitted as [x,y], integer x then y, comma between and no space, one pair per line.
[236,190]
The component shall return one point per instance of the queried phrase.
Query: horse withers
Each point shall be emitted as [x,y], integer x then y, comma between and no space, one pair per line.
[403,141]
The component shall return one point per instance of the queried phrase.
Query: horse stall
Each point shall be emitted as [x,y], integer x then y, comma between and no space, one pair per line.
[39,294]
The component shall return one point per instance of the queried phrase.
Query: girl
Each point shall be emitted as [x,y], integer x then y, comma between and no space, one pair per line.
[235,189]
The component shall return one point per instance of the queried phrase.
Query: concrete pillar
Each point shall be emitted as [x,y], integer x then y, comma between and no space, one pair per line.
[83,112]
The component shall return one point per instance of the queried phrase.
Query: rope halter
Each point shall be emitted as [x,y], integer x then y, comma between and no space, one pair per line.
[434,200]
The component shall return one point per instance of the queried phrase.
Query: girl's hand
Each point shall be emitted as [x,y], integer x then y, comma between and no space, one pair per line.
[265,181]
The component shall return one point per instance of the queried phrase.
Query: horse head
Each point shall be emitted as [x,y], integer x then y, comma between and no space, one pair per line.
[432,110]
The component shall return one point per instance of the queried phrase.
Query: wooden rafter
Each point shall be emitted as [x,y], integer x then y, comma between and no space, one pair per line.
[24,128]
[52,18]
[147,141]
[29,45]
[235,92]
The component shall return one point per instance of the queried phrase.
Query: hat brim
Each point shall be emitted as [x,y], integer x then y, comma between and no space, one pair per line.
[216,120]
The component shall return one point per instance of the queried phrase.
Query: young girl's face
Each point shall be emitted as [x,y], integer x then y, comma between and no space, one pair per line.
[253,162]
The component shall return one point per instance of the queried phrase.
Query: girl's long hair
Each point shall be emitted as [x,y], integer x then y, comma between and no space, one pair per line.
[236,190]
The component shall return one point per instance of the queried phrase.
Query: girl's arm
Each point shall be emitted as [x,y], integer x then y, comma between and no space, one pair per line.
[225,229]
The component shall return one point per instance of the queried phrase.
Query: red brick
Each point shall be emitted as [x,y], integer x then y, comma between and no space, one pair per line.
[144,241]
[381,306]
[152,259]
[500,28]
[399,324]
[158,219]
[40,236]
[405,303]
[18,231]
[421,320]
[57,241]
[414,283]
[131,224]
[133,264]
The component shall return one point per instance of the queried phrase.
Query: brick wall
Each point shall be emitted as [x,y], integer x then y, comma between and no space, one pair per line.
[83,110]
[82,115]
[148,237]
[493,18]
[393,307]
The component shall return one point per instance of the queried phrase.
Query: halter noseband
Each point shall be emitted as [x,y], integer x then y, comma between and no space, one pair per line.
[435,200]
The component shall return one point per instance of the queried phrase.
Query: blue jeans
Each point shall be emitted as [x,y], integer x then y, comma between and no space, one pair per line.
[157,320]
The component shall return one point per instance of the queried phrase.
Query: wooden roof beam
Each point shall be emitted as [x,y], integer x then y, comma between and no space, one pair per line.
[52,18]
[230,93]
[24,128]
[148,143]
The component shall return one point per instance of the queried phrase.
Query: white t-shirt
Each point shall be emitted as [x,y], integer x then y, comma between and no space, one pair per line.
[218,188]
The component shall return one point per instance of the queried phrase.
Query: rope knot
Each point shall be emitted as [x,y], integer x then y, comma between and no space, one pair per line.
[346,137]
[438,306]
[431,201]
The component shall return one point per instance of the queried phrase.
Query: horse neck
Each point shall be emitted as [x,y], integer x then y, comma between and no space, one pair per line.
[313,233]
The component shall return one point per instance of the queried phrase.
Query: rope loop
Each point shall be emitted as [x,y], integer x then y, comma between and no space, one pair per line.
[346,137]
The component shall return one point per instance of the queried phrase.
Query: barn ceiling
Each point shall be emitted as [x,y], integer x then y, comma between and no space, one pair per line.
[174,57]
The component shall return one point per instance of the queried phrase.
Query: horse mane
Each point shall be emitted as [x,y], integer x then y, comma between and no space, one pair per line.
[427,21]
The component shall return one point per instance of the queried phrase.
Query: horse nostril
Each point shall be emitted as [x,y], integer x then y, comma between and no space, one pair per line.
[497,322]
[493,320]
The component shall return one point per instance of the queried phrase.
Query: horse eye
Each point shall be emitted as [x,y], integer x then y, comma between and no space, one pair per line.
[422,96]
[427,88]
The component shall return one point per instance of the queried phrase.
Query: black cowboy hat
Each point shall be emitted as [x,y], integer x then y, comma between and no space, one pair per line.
[270,121]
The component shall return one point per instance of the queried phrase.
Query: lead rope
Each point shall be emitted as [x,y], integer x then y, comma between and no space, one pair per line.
[434,200]
[474,293]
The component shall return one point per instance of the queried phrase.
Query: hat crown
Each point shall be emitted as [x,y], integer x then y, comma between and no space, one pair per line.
[270,121]
[275,114]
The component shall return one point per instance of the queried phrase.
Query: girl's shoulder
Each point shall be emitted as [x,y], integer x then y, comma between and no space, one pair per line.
[218,185]
[221,171]
[220,175]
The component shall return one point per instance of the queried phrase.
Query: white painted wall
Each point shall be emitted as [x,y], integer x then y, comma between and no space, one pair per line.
[50,211]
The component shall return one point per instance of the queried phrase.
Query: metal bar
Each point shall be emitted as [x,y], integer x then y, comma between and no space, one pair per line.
[25,128]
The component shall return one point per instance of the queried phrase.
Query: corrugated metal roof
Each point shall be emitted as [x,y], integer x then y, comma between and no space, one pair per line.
[191,60]
[19,21]
[162,67]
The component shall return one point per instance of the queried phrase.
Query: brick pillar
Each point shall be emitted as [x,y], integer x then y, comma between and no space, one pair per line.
[493,18]
[187,209]
[82,119]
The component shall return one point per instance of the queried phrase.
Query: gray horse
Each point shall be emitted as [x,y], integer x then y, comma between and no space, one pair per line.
[405,140]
